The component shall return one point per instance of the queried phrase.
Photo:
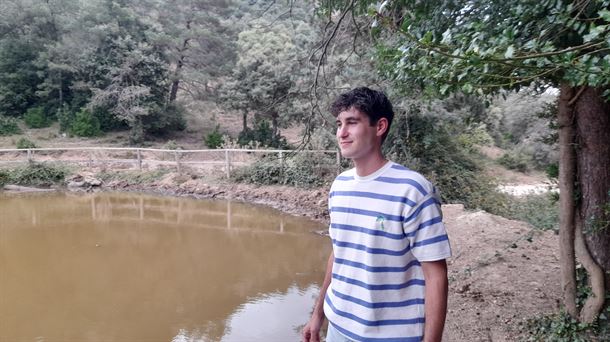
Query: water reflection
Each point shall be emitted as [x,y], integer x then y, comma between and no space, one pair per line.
[128,267]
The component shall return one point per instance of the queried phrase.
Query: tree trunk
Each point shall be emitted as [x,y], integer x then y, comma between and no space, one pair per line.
[593,160]
[173,93]
[593,131]
[244,117]
[567,172]
[274,124]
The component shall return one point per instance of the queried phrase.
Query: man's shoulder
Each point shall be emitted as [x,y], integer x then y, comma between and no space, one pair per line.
[403,175]
[346,175]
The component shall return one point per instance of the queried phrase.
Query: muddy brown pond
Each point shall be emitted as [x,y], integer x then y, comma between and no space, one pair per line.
[132,267]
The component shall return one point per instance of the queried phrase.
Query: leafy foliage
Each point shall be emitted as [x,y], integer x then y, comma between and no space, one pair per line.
[268,79]
[262,134]
[301,170]
[36,174]
[561,327]
[514,161]
[481,46]
[214,139]
[8,126]
[427,145]
[85,124]
[35,117]
[540,211]
[19,75]
[25,143]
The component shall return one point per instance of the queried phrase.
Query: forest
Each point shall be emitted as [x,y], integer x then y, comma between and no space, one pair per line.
[531,79]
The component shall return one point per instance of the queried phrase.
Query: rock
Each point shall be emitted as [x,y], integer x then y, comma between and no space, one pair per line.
[76,184]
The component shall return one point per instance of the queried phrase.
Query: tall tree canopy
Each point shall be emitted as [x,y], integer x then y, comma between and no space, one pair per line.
[480,47]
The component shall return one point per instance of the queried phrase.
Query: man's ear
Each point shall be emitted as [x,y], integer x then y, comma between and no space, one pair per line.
[382,126]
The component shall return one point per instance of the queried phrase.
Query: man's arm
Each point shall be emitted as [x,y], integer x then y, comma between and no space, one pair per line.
[311,332]
[435,275]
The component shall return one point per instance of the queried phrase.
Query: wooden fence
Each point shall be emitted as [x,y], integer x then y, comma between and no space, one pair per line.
[148,157]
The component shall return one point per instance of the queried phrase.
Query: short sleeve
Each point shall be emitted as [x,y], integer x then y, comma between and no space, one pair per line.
[424,228]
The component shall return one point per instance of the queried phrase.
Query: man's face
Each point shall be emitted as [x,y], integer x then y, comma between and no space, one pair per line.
[356,137]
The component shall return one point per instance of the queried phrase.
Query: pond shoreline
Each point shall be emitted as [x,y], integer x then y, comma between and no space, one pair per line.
[310,203]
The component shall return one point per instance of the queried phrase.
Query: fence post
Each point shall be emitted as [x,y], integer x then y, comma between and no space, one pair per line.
[139,159]
[29,156]
[282,173]
[176,159]
[228,163]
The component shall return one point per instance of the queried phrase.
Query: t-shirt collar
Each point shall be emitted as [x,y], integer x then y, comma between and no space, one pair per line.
[373,175]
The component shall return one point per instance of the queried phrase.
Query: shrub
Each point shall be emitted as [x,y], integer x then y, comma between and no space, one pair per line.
[540,211]
[302,170]
[171,145]
[515,161]
[262,134]
[8,126]
[85,124]
[162,120]
[24,143]
[214,139]
[35,118]
[36,174]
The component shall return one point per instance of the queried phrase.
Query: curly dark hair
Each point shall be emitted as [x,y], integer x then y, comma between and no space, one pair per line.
[372,103]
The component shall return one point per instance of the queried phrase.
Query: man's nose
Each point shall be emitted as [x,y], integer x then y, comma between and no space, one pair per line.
[342,131]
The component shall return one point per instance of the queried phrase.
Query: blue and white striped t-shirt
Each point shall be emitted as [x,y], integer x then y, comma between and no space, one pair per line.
[382,226]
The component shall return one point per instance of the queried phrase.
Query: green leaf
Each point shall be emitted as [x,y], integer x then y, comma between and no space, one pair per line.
[427,39]
[467,88]
[605,14]
[594,32]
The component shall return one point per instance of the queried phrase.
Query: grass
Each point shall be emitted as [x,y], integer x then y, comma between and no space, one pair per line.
[132,177]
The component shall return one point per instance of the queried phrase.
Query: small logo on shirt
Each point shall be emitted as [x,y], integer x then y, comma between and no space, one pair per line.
[379,222]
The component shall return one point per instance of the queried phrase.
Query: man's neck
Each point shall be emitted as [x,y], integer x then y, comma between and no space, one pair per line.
[368,166]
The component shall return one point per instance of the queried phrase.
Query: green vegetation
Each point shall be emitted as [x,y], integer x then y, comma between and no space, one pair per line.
[262,135]
[559,327]
[514,161]
[85,124]
[34,174]
[304,170]
[132,177]
[8,126]
[25,143]
[35,117]
[540,211]
[214,139]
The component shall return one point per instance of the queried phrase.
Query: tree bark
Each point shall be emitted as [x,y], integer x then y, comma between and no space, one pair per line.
[593,131]
[567,172]
[593,160]
[244,118]
[173,94]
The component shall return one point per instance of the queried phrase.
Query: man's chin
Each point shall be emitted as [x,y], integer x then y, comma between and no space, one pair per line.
[345,154]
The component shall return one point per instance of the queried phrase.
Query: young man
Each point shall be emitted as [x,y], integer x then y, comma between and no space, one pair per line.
[386,278]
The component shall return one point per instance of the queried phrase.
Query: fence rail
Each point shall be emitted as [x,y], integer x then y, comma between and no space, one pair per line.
[141,157]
